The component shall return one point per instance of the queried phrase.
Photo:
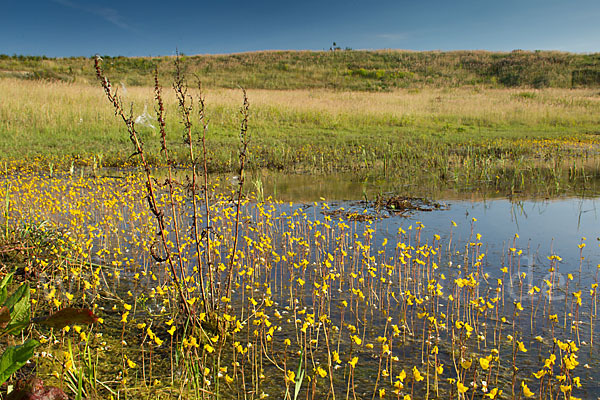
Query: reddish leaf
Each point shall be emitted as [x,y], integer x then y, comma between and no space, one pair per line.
[34,389]
[4,317]
[70,316]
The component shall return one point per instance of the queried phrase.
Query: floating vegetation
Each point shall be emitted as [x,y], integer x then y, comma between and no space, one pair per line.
[384,207]
[403,205]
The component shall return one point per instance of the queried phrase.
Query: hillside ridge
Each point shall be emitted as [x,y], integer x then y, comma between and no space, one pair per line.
[353,70]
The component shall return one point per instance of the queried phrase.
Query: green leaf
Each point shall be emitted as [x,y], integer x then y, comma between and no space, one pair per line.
[20,311]
[3,286]
[23,290]
[15,357]
[299,377]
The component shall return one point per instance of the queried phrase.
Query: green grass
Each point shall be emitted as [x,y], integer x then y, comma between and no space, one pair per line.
[431,137]
[339,70]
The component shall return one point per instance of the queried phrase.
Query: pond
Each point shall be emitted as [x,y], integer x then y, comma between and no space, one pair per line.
[443,298]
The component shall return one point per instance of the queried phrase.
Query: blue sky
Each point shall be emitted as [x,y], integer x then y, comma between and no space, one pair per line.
[63,28]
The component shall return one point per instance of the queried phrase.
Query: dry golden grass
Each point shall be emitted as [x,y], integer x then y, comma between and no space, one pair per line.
[37,104]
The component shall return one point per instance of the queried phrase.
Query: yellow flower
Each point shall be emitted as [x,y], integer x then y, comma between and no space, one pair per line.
[526,391]
[466,364]
[565,388]
[402,375]
[521,347]
[484,362]
[209,348]
[461,388]
[290,376]
[494,393]
[353,362]
[539,374]
[336,357]
[322,373]
[417,374]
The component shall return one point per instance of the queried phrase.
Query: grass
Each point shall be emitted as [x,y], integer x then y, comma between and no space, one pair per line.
[457,136]
[339,70]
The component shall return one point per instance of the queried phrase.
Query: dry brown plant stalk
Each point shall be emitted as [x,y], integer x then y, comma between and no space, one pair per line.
[159,215]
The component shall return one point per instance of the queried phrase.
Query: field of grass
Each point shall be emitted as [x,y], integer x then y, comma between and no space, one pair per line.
[455,136]
[339,70]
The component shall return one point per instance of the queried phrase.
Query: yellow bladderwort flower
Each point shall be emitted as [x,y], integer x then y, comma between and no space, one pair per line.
[578,297]
[130,363]
[466,364]
[402,375]
[208,348]
[322,373]
[290,376]
[461,388]
[570,362]
[417,374]
[539,374]
[336,357]
[495,392]
[485,362]
[353,362]
[521,347]
[526,391]
[565,389]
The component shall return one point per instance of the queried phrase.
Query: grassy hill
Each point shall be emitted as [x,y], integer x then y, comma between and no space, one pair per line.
[339,70]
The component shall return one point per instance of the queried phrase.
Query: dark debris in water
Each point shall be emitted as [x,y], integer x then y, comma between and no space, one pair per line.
[404,205]
[386,206]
